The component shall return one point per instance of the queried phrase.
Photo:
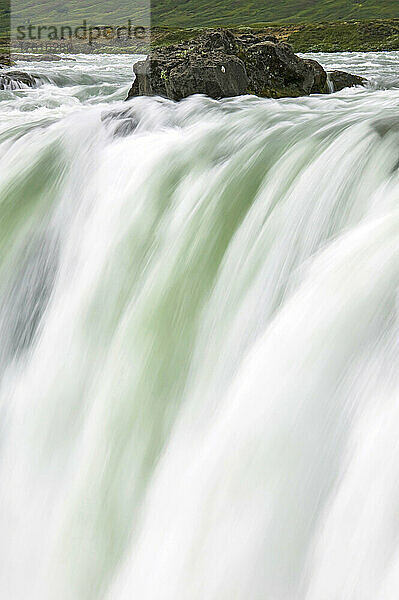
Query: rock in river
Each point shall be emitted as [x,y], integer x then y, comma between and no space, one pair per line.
[13,80]
[341,80]
[220,64]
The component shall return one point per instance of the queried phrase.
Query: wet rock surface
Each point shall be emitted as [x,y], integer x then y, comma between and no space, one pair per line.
[341,80]
[18,80]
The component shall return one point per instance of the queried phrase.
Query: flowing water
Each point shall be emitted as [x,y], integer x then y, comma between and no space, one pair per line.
[199,327]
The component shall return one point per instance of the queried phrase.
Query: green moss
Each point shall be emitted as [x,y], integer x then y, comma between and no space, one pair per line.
[287,92]
[164,36]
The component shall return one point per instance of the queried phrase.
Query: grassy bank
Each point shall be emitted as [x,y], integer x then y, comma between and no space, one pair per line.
[220,13]
[343,36]
[309,25]
[200,13]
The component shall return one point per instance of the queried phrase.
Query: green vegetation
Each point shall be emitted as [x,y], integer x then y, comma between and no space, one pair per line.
[216,13]
[199,13]
[309,25]
[313,37]
[346,36]
[4,17]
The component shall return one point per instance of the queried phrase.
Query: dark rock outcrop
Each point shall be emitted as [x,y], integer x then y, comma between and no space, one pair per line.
[341,80]
[6,61]
[220,64]
[274,71]
[217,76]
[12,80]
[320,80]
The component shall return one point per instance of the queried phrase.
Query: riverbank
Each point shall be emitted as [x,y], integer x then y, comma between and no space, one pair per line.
[336,36]
[341,36]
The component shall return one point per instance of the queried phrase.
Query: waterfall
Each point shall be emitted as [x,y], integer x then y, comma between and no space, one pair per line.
[330,84]
[199,344]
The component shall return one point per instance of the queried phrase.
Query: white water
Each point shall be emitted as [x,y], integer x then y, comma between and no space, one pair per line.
[199,341]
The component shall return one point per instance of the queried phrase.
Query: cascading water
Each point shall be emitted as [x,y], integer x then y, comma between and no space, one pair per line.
[199,340]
